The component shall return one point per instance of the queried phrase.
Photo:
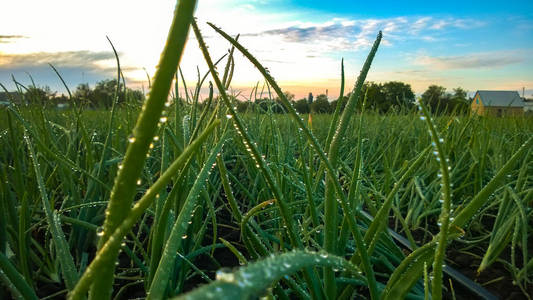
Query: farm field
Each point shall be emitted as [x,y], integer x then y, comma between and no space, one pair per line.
[68,151]
[173,198]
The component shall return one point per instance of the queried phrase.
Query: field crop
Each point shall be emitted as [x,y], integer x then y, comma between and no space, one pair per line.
[174,199]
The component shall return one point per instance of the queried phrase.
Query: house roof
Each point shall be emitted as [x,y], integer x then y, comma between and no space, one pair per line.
[501,98]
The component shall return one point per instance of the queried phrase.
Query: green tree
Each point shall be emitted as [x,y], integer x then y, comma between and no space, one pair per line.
[301,106]
[39,95]
[134,96]
[321,104]
[398,93]
[441,102]
[243,106]
[375,98]
[104,92]
[82,93]
[289,96]
[435,98]
[460,100]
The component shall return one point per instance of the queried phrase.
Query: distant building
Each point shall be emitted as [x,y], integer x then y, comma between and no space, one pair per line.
[497,103]
[7,98]
[528,105]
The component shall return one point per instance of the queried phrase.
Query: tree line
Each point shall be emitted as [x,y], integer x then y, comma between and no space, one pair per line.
[100,96]
[392,96]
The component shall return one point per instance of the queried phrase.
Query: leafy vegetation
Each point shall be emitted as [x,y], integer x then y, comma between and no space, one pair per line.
[94,203]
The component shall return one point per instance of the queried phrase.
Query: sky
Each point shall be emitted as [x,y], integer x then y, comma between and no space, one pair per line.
[476,45]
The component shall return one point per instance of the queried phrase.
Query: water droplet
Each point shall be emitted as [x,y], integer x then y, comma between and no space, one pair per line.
[225,274]
[131,139]
[156,138]
[100,231]
[163,119]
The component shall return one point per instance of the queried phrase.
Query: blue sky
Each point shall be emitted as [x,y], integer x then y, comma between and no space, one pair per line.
[469,44]
[388,8]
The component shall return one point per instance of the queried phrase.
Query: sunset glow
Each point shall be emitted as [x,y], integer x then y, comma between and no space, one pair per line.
[301,42]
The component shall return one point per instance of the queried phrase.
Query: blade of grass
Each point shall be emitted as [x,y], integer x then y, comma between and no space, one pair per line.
[257,158]
[252,280]
[318,149]
[68,268]
[444,218]
[122,194]
[179,229]
[105,255]
[16,278]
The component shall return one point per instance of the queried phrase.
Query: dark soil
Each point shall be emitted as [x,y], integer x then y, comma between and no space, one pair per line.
[497,279]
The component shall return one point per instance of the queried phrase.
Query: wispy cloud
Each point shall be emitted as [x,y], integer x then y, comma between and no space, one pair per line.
[486,60]
[75,66]
[10,38]
[84,58]
[355,34]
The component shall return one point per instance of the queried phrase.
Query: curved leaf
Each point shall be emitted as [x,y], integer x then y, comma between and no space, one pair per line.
[253,280]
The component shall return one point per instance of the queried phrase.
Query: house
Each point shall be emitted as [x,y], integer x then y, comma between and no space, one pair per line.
[528,105]
[6,98]
[497,103]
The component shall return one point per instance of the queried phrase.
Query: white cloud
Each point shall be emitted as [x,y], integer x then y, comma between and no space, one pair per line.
[479,60]
[295,47]
[61,59]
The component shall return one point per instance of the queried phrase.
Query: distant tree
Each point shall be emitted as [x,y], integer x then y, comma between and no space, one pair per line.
[83,94]
[435,98]
[302,106]
[440,102]
[134,96]
[310,98]
[289,96]
[398,94]
[460,101]
[321,104]
[375,98]
[242,106]
[104,92]
[39,95]
[264,105]
[459,94]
